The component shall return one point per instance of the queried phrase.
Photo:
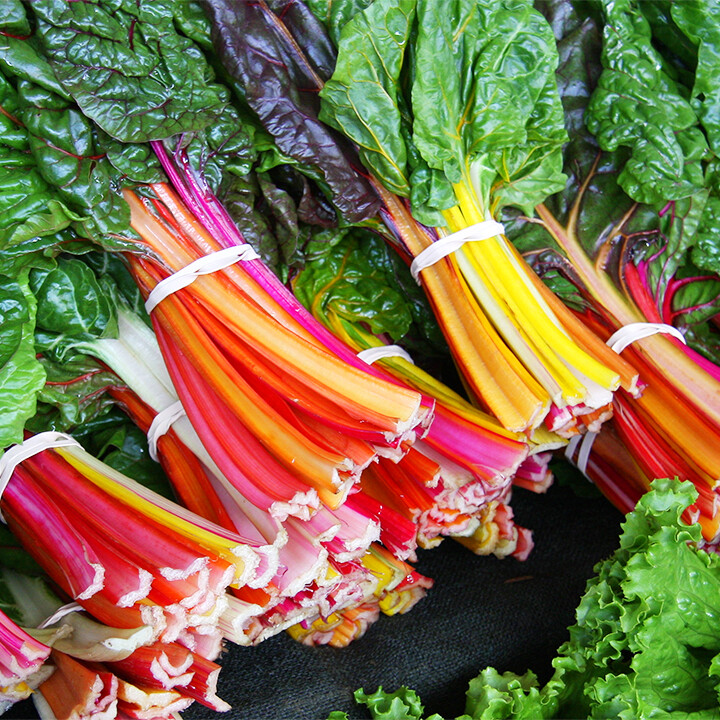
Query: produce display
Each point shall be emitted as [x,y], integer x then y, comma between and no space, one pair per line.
[293,292]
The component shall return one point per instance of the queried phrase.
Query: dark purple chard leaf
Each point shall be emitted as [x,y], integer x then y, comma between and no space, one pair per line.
[308,32]
[272,218]
[280,84]
[290,237]
[127,67]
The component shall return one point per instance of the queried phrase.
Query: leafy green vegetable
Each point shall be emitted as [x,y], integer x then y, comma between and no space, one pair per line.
[259,49]
[670,235]
[21,375]
[365,84]
[357,277]
[491,118]
[637,105]
[335,14]
[646,642]
[127,67]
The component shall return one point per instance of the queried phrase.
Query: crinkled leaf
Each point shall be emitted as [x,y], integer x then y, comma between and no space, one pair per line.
[700,22]
[225,147]
[63,144]
[334,14]
[403,704]
[21,376]
[135,162]
[638,105]
[72,306]
[280,84]
[491,695]
[361,99]
[74,394]
[499,109]
[127,68]
[357,277]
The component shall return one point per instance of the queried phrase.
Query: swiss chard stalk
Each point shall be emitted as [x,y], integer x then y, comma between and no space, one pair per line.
[629,230]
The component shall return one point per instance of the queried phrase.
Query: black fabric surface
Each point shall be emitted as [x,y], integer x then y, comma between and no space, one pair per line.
[482,611]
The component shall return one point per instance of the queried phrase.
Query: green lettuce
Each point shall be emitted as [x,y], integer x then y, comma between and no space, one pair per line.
[646,642]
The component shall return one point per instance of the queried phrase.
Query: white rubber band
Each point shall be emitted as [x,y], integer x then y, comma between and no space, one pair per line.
[24,450]
[584,453]
[450,243]
[371,355]
[202,266]
[60,613]
[628,334]
[585,442]
[161,424]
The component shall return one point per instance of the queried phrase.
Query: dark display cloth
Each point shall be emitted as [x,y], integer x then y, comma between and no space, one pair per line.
[481,611]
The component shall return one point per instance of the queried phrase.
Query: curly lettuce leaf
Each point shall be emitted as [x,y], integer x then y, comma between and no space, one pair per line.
[646,642]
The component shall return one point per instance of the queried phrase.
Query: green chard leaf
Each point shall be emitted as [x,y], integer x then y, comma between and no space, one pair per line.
[498,112]
[73,307]
[335,14]
[354,275]
[361,99]
[127,68]
[699,21]
[638,105]
[21,375]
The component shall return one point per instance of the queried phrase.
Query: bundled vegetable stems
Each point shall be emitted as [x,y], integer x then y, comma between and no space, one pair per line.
[443,143]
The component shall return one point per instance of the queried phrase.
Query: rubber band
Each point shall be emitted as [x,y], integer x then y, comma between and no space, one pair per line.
[371,355]
[24,450]
[585,442]
[632,332]
[205,265]
[60,613]
[450,243]
[161,424]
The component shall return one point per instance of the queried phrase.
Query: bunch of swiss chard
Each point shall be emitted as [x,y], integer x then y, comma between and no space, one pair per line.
[630,238]
[457,146]
[554,162]
[135,149]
